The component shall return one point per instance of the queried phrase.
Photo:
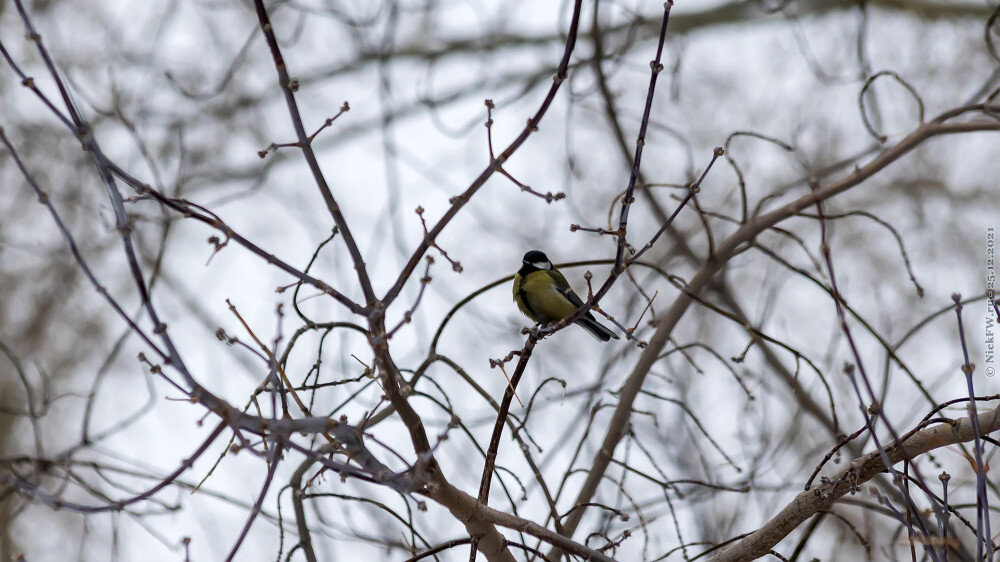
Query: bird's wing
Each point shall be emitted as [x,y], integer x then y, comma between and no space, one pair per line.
[563,286]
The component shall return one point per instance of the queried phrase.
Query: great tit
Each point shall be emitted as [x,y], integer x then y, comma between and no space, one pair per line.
[544,295]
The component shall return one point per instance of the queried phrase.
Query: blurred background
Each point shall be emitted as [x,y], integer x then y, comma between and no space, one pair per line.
[748,396]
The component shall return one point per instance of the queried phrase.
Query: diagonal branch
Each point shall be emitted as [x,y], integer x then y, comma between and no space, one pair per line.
[459,201]
[727,249]
[305,144]
[478,517]
[862,469]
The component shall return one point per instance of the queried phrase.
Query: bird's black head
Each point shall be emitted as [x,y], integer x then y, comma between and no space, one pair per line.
[535,260]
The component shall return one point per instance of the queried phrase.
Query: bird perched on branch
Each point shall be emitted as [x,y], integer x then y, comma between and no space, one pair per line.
[544,295]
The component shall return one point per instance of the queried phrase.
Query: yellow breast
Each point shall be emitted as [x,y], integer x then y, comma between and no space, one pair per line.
[539,299]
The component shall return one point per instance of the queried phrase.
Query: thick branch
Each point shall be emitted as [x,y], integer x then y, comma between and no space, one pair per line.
[728,248]
[479,520]
[808,503]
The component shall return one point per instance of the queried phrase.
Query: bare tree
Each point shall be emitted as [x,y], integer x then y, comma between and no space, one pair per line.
[794,231]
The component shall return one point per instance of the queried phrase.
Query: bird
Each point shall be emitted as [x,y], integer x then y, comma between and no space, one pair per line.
[544,295]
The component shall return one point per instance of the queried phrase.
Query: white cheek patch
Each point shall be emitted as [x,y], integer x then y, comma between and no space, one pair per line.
[543,265]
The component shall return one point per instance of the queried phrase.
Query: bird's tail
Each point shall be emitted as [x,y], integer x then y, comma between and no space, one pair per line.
[595,328]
